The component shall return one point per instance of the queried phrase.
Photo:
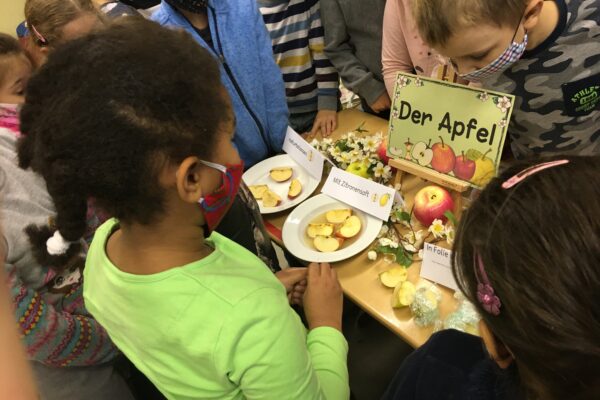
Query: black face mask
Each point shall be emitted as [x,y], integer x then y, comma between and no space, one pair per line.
[195,6]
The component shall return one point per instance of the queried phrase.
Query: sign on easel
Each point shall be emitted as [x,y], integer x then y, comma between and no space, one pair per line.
[452,129]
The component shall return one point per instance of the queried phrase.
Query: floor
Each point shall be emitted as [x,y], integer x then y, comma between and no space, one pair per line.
[375,353]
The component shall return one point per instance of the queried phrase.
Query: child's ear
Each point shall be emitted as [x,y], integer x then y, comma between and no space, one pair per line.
[531,17]
[188,180]
[496,349]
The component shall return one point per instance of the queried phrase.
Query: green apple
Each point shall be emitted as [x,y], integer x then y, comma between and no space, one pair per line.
[484,167]
[359,168]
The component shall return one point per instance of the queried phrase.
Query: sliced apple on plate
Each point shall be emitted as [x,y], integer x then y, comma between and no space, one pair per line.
[270,199]
[404,295]
[281,174]
[338,216]
[315,230]
[393,277]
[258,191]
[350,228]
[295,189]
[327,244]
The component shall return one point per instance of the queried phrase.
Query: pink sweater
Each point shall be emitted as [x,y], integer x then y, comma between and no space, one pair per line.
[403,50]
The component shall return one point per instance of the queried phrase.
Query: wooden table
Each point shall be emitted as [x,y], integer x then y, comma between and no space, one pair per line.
[358,275]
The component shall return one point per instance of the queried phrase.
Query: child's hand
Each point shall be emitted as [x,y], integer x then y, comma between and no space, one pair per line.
[323,298]
[294,280]
[326,122]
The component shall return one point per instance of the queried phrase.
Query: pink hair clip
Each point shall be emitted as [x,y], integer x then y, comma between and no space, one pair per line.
[39,36]
[530,171]
[485,292]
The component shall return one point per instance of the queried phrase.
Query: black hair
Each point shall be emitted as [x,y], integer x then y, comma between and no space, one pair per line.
[108,110]
[540,246]
[9,46]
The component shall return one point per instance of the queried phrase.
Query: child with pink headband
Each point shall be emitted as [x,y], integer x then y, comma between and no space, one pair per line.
[526,255]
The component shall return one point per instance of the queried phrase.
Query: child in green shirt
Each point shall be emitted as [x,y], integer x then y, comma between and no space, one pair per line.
[201,316]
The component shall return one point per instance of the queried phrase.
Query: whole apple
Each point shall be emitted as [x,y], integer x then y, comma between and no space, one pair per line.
[431,203]
[464,167]
[359,168]
[443,157]
[382,151]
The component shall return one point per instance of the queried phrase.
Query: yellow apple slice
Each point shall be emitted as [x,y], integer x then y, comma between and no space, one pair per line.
[350,228]
[315,230]
[295,189]
[327,244]
[393,277]
[281,174]
[270,199]
[404,295]
[258,190]
[338,216]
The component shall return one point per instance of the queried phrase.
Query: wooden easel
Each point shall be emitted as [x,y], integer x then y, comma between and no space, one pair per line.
[454,185]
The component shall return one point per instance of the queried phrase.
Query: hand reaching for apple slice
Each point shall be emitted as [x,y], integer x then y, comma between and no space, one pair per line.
[323,299]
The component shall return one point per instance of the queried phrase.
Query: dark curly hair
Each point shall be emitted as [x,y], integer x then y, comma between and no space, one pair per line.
[108,110]
[540,246]
[9,46]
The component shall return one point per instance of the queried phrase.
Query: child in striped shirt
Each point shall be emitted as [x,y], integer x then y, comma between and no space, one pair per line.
[311,82]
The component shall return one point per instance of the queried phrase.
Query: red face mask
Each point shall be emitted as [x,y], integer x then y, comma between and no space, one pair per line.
[216,205]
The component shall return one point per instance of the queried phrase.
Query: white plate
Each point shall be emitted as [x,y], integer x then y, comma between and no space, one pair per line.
[259,175]
[294,229]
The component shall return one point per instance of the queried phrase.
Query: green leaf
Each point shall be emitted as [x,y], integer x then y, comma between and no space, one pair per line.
[473,154]
[403,216]
[403,258]
[450,215]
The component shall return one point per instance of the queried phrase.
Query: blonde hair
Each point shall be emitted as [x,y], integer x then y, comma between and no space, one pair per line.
[47,18]
[438,20]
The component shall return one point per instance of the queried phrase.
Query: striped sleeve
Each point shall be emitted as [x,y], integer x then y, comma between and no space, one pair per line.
[57,338]
[297,37]
[327,77]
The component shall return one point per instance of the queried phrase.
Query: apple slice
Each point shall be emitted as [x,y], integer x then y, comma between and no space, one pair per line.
[404,295]
[327,244]
[338,216]
[393,277]
[281,174]
[315,230]
[258,190]
[350,228]
[270,199]
[295,189]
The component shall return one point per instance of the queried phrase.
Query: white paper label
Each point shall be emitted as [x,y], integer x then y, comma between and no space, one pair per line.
[437,265]
[303,153]
[360,193]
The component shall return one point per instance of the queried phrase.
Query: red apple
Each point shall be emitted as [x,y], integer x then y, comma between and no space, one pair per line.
[431,203]
[464,168]
[382,151]
[443,157]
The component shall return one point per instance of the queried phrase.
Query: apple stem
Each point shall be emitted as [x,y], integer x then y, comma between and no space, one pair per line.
[462,153]
[485,154]
[429,144]
[442,139]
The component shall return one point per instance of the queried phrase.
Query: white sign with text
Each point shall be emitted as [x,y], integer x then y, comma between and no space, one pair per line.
[361,193]
[303,153]
[437,265]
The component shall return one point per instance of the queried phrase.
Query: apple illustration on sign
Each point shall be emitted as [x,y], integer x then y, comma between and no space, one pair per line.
[359,168]
[484,167]
[431,203]
[443,157]
[464,167]
[422,153]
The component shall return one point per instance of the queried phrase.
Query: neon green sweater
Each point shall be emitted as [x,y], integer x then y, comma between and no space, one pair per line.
[218,328]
